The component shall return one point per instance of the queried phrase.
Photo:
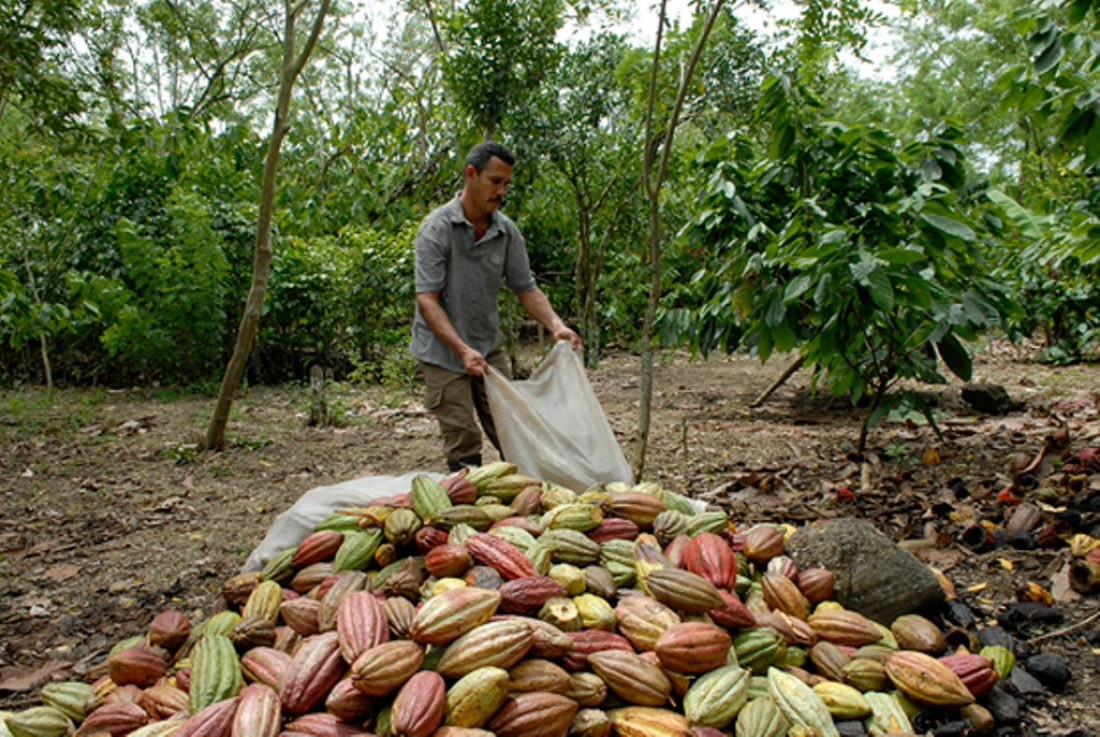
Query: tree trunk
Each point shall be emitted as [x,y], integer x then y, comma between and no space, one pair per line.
[653,183]
[787,373]
[262,253]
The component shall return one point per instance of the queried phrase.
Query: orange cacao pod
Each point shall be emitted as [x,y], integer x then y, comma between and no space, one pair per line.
[693,647]
[631,677]
[447,561]
[384,668]
[782,594]
[844,627]
[762,543]
[926,680]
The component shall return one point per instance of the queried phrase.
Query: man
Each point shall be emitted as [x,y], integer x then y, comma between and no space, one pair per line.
[465,251]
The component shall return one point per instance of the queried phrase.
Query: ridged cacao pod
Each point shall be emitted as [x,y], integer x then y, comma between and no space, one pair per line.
[418,707]
[258,714]
[527,595]
[169,630]
[316,547]
[715,698]
[475,697]
[682,590]
[733,614]
[587,642]
[587,689]
[215,720]
[914,632]
[120,718]
[646,721]
[140,665]
[534,715]
[783,595]
[710,556]
[215,672]
[453,613]
[447,561]
[642,619]
[500,643]
[977,672]
[335,590]
[361,624]
[312,672]
[762,543]
[264,665]
[844,627]
[799,703]
[638,507]
[384,668]
[500,555]
[631,677]
[926,680]
[348,703]
[537,674]
[693,647]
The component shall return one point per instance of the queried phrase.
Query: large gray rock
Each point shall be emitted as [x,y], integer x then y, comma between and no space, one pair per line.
[873,575]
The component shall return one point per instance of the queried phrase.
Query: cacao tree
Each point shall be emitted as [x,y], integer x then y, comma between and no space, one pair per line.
[293,60]
[863,254]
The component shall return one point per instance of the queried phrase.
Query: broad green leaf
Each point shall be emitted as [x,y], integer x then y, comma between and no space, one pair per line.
[955,356]
[881,290]
[1028,223]
[901,256]
[1050,56]
[949,226]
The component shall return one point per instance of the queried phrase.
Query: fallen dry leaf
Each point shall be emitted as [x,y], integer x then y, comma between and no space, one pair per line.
[25,678]
[62,572]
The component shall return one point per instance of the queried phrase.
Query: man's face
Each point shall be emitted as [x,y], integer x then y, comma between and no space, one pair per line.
[488,187]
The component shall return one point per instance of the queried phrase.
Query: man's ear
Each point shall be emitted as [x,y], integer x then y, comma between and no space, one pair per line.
[471,171]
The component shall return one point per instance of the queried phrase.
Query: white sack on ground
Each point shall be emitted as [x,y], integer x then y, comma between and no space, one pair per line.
[552,426]
[292,526]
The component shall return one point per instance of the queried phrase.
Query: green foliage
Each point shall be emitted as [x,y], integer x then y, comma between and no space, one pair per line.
[342,302]
[1055,265]
[500,52]
[854,249]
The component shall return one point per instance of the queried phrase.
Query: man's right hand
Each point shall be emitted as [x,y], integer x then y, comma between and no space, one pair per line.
[474,363]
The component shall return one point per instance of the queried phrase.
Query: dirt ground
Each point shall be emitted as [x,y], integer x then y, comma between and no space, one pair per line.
[108,514]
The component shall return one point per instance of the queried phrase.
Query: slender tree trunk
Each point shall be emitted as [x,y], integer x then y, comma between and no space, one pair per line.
[787,373]
[262,253]
[653,181]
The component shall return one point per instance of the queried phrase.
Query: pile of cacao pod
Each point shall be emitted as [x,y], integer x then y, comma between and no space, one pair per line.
[494,603]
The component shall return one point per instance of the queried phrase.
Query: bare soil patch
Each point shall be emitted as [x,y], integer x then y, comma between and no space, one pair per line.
[109,515]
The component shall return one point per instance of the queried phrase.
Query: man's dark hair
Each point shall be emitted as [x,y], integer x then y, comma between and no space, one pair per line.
[481,153]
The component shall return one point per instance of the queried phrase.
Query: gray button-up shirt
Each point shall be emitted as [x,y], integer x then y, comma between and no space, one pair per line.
[468,276]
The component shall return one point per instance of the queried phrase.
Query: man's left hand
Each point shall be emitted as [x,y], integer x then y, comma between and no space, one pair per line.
[566,333]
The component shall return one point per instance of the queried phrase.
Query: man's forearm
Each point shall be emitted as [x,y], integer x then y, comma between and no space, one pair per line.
[538,307]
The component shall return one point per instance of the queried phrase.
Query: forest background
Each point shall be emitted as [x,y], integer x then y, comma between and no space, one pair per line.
[721,186]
